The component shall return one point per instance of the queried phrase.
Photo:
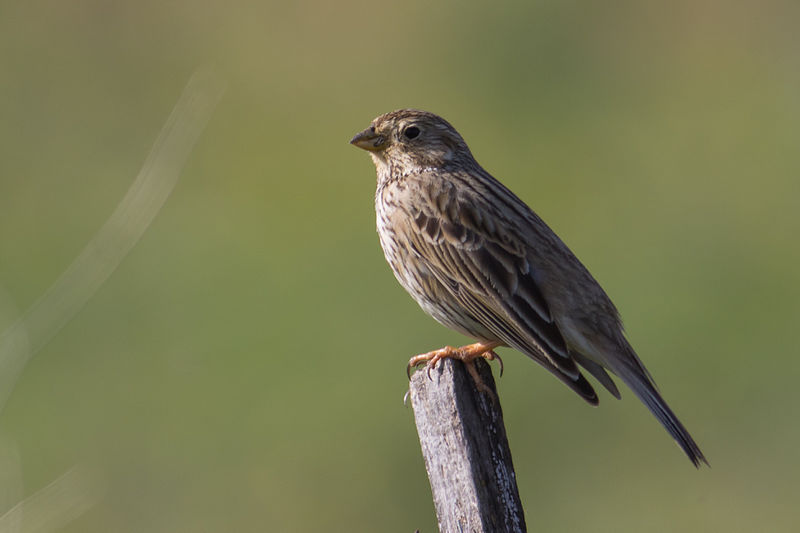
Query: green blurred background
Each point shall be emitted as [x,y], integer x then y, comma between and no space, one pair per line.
[243,369]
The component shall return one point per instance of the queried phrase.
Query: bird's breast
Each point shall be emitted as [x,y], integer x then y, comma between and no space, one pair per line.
[392,222]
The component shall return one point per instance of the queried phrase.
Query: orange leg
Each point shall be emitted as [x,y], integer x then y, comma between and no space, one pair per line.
[466,354]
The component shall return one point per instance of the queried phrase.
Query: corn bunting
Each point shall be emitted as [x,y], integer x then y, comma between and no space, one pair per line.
[480,261]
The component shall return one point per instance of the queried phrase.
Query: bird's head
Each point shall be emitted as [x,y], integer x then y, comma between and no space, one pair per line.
[410,139]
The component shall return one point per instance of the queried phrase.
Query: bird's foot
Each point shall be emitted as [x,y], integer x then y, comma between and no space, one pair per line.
[466,354]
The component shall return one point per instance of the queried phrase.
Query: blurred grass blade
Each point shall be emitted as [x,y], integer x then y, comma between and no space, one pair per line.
[119,234]
[54,506]
[11,489]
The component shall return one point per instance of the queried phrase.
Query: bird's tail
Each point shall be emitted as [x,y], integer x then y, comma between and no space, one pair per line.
[641,384]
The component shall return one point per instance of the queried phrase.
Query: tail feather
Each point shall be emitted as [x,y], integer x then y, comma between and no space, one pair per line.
[598,372]
[645,390]
[579,384]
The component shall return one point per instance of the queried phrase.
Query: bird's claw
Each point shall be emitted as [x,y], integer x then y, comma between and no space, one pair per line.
[431,359]
[491,355]
[466,354]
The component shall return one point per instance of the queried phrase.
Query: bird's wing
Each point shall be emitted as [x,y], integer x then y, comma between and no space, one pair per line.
[488,273]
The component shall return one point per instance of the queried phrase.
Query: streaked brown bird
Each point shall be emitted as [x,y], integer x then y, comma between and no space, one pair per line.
[480,261]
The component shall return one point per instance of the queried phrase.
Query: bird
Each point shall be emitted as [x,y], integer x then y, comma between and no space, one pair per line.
[478,260]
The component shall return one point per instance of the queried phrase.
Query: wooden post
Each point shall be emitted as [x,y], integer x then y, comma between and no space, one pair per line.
[466,452]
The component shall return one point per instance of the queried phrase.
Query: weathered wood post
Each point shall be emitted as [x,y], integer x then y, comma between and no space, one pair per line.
[466,452]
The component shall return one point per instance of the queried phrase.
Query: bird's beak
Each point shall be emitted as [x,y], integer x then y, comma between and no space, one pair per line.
[369,140]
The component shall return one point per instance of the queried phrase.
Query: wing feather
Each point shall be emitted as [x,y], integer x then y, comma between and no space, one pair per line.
[497,286]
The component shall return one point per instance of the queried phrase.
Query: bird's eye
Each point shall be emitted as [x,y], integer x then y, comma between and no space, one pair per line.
[411,132]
